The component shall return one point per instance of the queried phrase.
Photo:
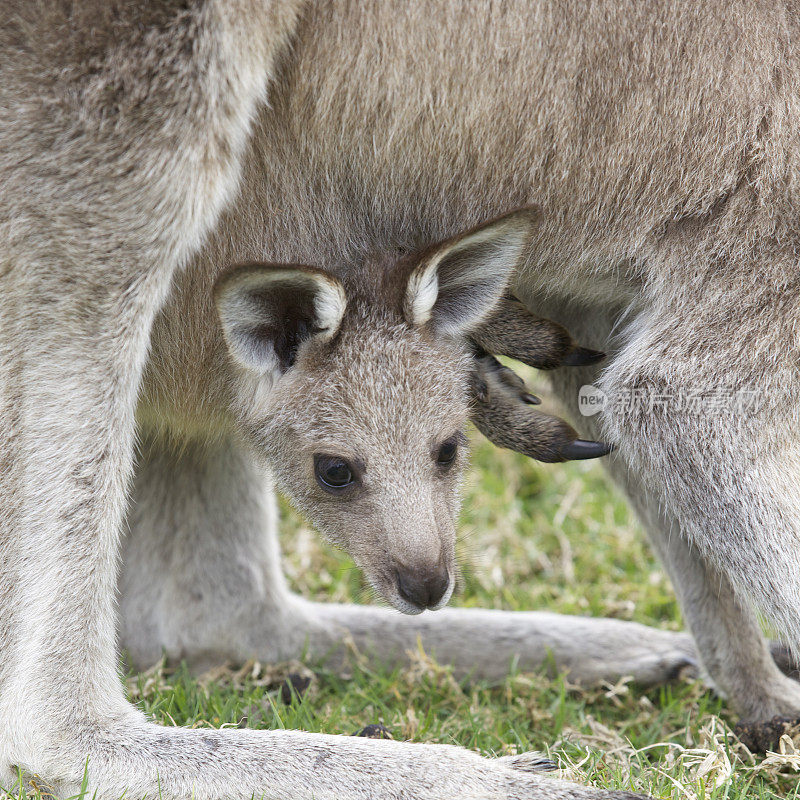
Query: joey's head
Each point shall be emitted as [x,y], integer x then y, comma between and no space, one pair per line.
[355,391]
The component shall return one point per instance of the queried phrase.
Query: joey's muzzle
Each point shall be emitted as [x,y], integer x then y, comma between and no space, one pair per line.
[423,587]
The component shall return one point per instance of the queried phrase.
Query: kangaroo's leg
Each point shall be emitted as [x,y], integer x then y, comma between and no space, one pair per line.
[201,577]
[202,580]
[114,166]
[728,635]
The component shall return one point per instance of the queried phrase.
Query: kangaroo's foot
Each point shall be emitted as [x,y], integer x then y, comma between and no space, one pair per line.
[503,412]
[135,758]
[511,330]
[501,402]
[760,737]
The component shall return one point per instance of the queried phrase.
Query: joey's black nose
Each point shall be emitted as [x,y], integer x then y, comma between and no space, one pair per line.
[423,587]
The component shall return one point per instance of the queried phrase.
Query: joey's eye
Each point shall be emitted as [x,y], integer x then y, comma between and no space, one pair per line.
[447,452]
[333,474]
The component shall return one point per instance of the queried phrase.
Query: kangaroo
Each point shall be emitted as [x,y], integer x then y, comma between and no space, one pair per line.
[116,170]
[145,146]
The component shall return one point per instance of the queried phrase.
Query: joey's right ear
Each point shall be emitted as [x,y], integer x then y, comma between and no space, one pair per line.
[458,282]
[269,310]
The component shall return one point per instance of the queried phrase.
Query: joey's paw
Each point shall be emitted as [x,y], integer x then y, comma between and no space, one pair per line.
[759,737]
[501,410]
[513,331]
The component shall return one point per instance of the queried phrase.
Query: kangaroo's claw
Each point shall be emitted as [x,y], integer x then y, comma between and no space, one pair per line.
[530,399]
[582,357]
[581,449]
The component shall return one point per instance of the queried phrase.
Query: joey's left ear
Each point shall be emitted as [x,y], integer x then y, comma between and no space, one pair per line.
[268,311]
[458,282]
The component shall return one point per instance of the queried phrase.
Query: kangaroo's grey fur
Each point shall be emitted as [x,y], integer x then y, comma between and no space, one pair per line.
[659,139]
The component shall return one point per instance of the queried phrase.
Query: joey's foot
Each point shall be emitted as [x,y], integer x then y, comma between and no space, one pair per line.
[758,737]
[502,412]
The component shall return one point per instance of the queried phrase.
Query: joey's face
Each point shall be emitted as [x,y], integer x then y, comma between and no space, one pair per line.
[367,438]
[358,399]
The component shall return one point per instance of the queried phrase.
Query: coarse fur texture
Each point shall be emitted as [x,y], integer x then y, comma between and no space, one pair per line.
[660,141]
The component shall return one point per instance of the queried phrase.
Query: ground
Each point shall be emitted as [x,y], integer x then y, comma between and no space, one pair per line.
[533,536]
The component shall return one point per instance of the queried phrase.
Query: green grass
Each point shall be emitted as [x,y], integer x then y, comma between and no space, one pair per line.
[532,537]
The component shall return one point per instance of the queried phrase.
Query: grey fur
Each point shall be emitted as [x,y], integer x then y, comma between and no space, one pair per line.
[133,173]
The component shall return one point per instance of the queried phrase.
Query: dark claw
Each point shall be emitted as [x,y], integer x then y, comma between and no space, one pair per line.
[375,731]
[582,356]
[530,399]
[581,449]
[546,765]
